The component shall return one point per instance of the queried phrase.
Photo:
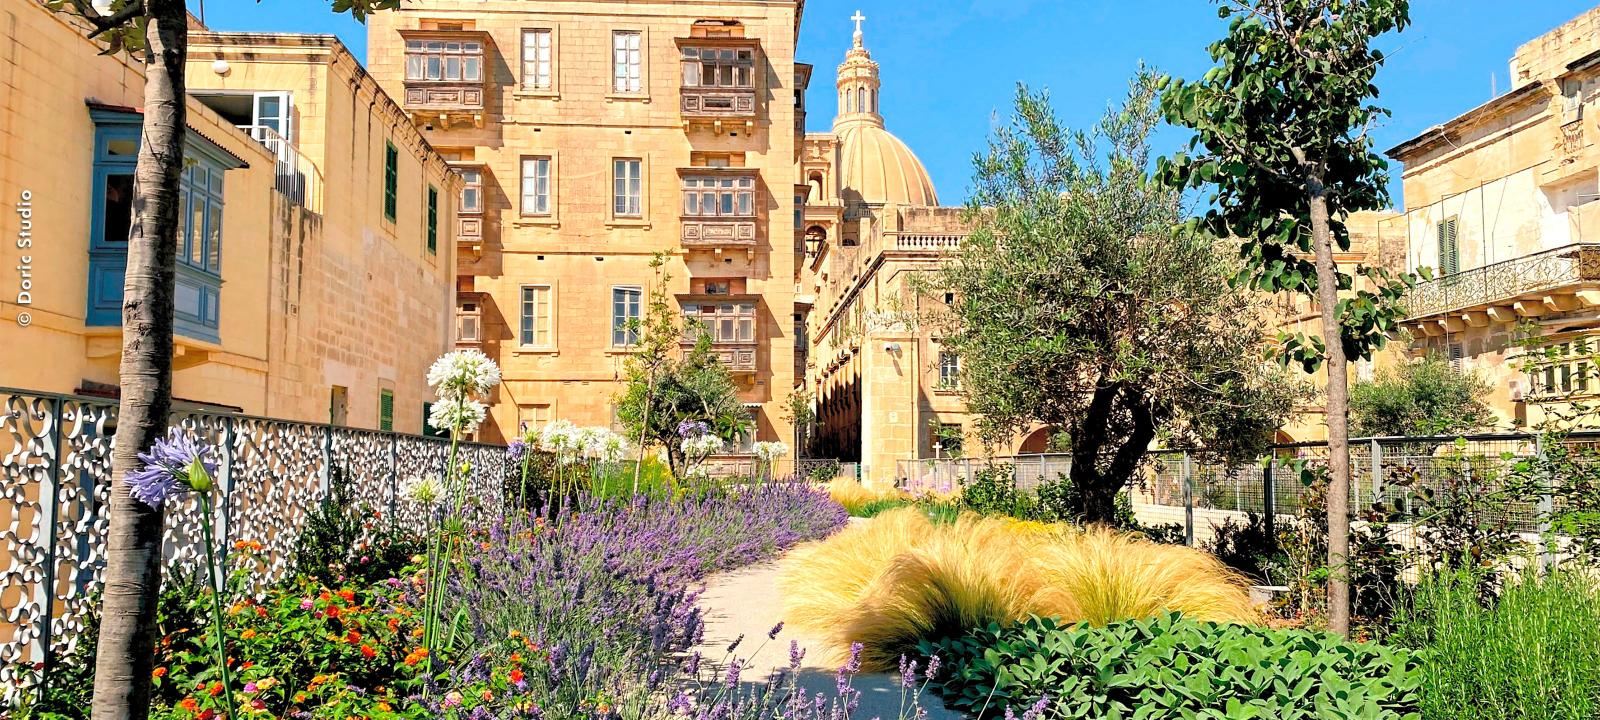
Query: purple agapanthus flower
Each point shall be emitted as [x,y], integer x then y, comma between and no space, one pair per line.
[692,429]
[166,468]
[516,450]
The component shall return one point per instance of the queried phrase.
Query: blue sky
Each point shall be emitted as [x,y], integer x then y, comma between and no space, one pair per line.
[949,66]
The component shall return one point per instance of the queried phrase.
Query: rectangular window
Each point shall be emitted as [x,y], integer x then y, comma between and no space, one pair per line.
[1457,357]
[627,187]
[534,417]
[1449,255]
[471,192]
[433,220]
[444,61]
[391,180]
[719,196]
[386,410]
[536,186]
[535,326]
[719,68]
[949,369]
[536,59]
[627,63]
[625,302]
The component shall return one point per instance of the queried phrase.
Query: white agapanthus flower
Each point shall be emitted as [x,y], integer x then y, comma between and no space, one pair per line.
[770,451]
[587,441]
[610,447]
[422,489]
[463,373]
[458,414]
[560,438]
[701,446]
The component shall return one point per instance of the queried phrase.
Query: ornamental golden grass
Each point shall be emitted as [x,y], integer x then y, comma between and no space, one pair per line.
[901,578]
[854,496]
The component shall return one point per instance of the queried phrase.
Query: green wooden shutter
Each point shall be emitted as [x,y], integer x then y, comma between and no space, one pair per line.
[386,410]
[391,180]
[1449,255]
[433,219]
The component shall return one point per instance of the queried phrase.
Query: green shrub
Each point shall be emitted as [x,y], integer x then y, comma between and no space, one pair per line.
[993,491]
[1170,667]
[1532,652]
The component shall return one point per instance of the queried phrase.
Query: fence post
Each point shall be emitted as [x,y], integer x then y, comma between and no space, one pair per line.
[1375,458]
[1269,502]
[1188,501]
[1547,508]
[49,503]
[325,478]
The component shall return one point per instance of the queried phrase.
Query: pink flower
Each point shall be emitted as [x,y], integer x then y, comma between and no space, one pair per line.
[307,604]
[250,687]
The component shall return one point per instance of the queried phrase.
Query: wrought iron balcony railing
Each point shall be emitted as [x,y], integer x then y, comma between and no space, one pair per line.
[1506,281]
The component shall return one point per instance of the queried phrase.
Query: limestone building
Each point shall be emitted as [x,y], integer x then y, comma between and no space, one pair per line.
[311,284]
[1501,205]
[884,390]
[594,134]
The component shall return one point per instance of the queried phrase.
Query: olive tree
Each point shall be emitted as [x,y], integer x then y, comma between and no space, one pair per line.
[1081,303]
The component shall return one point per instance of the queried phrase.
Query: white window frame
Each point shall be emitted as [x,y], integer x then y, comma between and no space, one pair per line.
[953,379]
[627,187]
[619,328]
[627,62]
[736,193]
[534,198]
[539,73]
[475,188]
[524,330]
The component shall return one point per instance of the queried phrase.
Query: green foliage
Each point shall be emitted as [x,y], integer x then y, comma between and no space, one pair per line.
[1281,140]
[1083,305]
[1423,397]
[666,387]
[1248,547]
[1170,667]
[346,541]
[1529,653]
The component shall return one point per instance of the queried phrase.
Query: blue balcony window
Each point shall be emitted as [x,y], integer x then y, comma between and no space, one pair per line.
[197,291]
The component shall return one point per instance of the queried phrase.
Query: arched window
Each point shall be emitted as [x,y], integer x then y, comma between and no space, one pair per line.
[861,99]
[849,102]
[815,181]
[874,106]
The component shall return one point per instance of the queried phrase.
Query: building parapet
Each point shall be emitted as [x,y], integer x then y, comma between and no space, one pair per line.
[1560,279]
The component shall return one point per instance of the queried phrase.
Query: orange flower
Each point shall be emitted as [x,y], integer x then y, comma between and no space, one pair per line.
[299,697]
[158,672]
[516,675]
[215,689]
[247,665]
[325,596]
[416,632]
[367,651]
[348,595]
[261,611]
[248,633]
[332,611]
[394,624]
[487,696]
[603,709]
[189,704]
[516,657]
[384,707]
[240,545]
[352,637]
[485,546]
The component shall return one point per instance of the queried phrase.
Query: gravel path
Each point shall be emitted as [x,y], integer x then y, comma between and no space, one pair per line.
[748,601]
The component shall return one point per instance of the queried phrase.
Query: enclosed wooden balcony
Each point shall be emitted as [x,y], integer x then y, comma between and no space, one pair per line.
[719,85]
[1562,279]
[445,78]
[729,321]
[719,208]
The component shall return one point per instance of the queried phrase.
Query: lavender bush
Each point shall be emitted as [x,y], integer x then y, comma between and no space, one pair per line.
[589,612]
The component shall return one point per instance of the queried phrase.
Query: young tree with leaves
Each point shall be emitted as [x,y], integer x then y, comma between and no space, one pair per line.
[1281,139]
[1083,304]
[155,33]
[668,386]
[1421,397]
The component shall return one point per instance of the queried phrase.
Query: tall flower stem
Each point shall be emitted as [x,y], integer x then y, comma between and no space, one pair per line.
[216,605]
[438,557]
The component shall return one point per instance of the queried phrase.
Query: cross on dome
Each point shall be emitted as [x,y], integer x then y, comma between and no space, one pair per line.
[858,18]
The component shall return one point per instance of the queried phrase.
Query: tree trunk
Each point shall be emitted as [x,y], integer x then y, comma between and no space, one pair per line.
[1338,418]
[133,539]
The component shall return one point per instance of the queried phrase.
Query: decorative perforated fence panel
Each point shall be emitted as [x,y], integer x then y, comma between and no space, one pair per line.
[56,454]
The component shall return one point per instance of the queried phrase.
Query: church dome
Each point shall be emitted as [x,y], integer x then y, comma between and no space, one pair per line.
[875,167]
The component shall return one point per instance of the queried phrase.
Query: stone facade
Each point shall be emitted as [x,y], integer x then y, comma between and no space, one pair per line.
[1500,204]
[581,97]
[311,283]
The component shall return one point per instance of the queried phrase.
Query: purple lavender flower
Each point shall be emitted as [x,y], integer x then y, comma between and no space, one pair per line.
[1038,709]
[854,665]
[732,679]
[908,674]
[796,655]
[692,429]
[773,633]
[170,466]
[933,667]
[735,644]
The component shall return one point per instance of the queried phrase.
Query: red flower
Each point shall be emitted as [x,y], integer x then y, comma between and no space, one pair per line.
[348,595]
[352,637]
[516,676]
[215,690]
[368,651]
[206,714]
